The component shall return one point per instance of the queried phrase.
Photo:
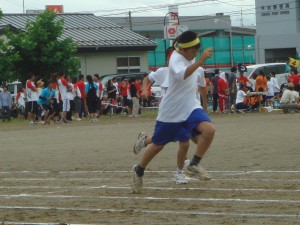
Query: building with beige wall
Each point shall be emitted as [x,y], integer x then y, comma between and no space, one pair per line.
[103,47]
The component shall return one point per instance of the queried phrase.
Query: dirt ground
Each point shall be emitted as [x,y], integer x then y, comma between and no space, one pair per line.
[80,173]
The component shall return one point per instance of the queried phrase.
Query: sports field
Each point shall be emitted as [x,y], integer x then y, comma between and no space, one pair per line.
[80,173]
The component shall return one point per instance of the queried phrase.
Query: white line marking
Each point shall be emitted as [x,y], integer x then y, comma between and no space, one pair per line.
[147,180]
[106,187]
[283,201]
[148,171]
[207,213]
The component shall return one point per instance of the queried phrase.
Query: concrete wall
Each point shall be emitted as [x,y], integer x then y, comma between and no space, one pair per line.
[277,26]
[106,62]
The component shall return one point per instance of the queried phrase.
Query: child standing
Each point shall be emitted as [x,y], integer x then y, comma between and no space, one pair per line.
[5,104]
[270,92]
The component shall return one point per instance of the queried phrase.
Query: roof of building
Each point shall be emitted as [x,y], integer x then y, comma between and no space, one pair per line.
[201,24]
[89,31]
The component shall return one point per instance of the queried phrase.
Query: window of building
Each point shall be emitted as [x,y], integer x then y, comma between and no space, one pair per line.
[130,64]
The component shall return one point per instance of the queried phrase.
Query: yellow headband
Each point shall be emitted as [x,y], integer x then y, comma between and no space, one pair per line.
[189,44]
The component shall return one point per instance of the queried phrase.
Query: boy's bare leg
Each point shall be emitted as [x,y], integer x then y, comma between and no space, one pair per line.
[181,154]
[204,140]
[138,171]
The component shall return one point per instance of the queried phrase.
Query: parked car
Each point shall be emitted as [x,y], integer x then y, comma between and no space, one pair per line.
[104,79]
[278,68]
[156,89]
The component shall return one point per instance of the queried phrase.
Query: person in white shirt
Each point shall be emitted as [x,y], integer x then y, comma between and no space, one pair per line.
[116,84]
[32,97]
[270,92]
[180,114]
[64,88]
[288,100]
[274,80]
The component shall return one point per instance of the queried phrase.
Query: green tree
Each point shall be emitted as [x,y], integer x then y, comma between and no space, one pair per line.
[41,49]
[7,59]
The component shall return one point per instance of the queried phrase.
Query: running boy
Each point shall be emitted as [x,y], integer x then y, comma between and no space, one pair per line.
[180,114]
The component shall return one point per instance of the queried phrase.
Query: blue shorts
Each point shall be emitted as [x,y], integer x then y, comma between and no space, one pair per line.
[171,132]
[269,97]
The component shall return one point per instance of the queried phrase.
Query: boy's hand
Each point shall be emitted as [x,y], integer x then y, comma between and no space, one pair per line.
[206,54]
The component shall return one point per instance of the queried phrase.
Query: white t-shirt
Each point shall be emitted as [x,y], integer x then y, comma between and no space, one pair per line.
[296,95]
[240,96]
[71,94]
[117,87]
[21,100]
[160,77]
[62,90]
[287,97]
[201,83]
[31,95]
[180,100]
[275,84]
[270,86]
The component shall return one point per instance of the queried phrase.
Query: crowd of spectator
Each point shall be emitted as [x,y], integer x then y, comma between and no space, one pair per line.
[63,99]
[233,92]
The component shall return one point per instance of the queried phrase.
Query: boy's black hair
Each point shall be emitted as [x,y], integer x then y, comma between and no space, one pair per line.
[74,80]
[30,75]
[294,70]
[233,69]
[268,77]
[187,37]
[97,75]
[80,76]
[217,71]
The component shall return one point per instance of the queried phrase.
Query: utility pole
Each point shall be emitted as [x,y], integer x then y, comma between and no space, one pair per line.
[130,21]
[242,20]
[23,6]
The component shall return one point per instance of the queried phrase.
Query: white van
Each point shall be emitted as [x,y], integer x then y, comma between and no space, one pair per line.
[279,68]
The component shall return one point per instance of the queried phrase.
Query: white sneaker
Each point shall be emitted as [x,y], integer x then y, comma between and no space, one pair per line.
[31,122]
[180,178]
[136,182]
[198,172]
[140,144]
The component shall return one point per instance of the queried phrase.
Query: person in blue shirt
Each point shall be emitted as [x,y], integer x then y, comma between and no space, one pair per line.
[5,104]
[91,97]
[45,102]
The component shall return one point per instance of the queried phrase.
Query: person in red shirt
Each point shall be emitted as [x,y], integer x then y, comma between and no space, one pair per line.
[223,92]
[242,80]
[81,86]
[124,90]
[294,78]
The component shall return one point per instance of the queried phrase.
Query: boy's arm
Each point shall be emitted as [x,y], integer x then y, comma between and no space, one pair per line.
[146,81]
[202,91]
[206,54]
[29,85]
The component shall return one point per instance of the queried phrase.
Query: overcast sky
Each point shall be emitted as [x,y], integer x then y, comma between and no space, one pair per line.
[144,7]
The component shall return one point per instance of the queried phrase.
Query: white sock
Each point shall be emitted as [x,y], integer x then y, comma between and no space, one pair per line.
[179,170]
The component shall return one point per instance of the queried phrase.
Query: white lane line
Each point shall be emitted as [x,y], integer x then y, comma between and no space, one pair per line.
[147,180]
[148,171]
[107,187]
[199,213]
[277,201]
